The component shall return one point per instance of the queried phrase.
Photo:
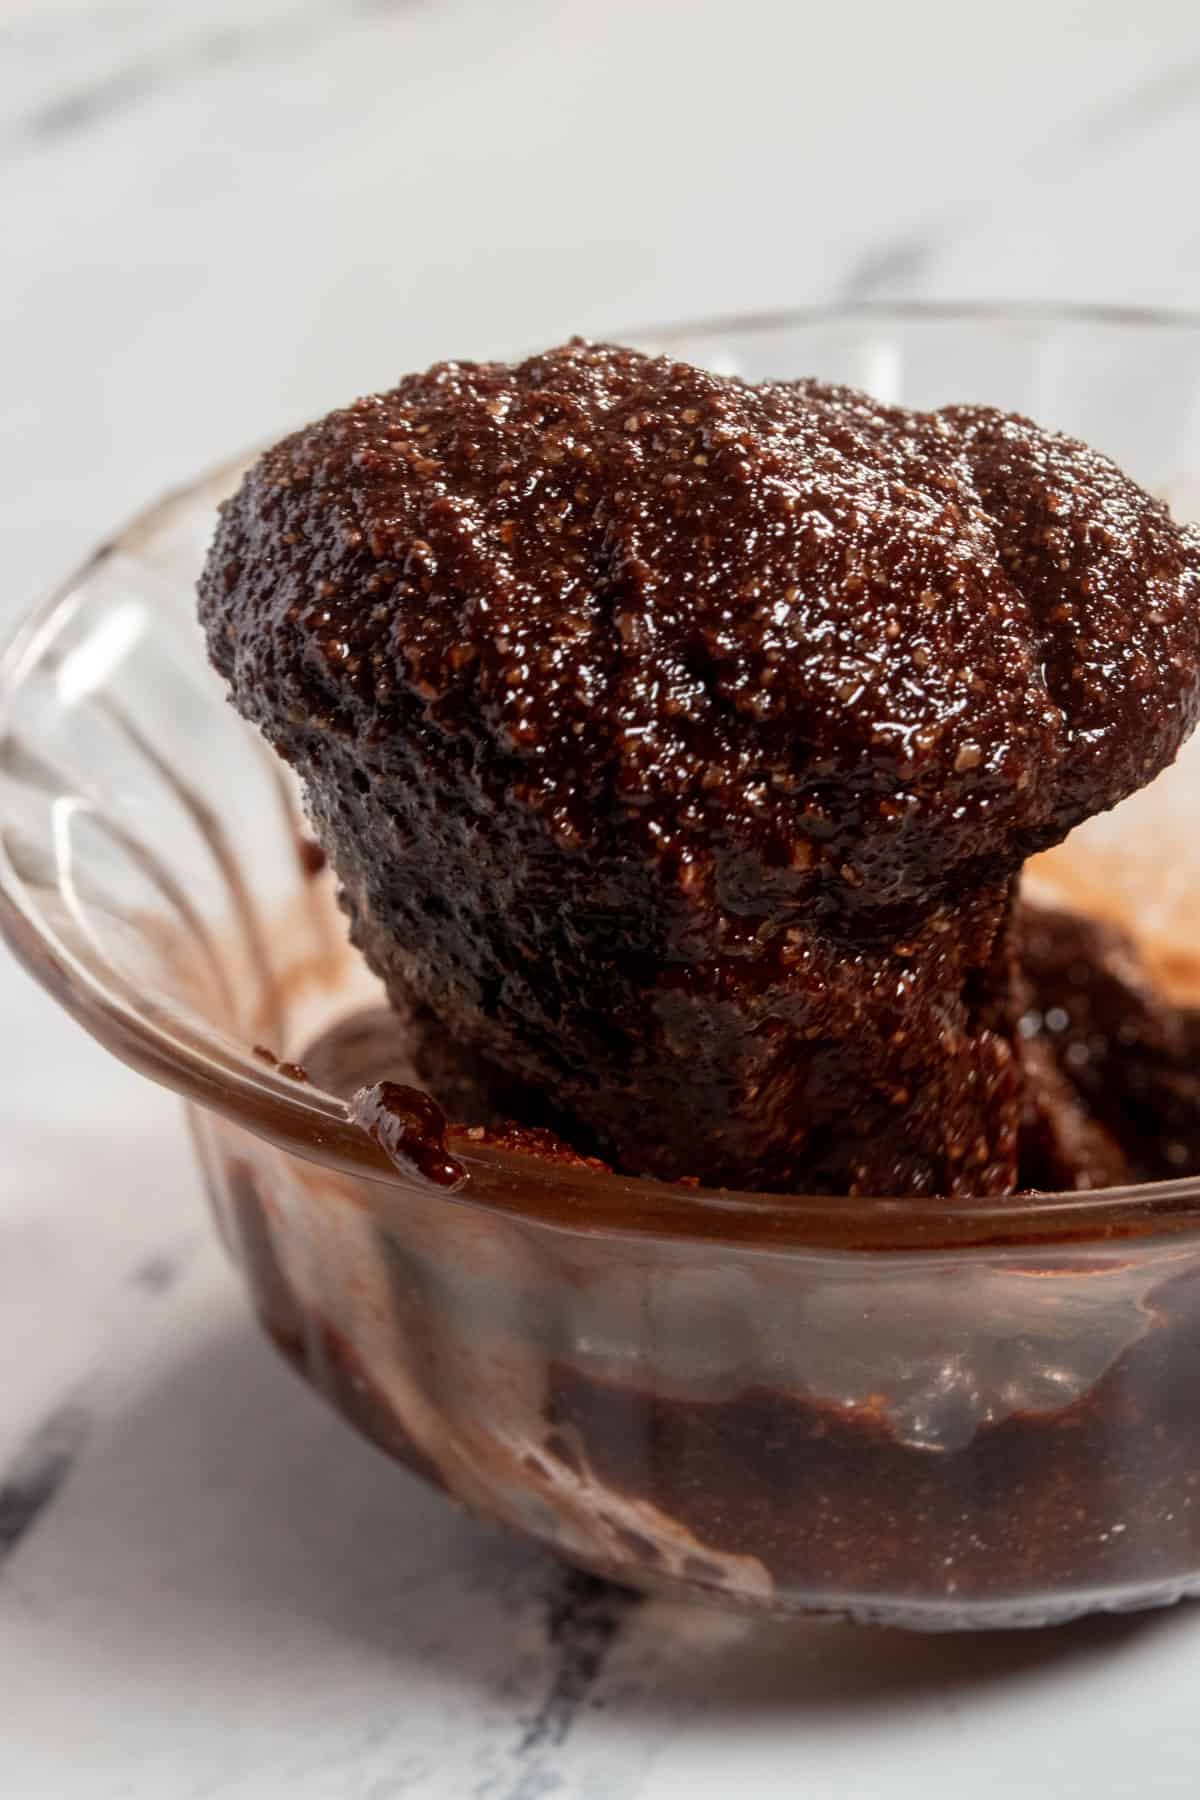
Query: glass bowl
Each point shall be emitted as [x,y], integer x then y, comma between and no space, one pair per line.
[929,1414]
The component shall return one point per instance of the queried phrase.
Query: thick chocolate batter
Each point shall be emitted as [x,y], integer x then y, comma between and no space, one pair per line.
[1110,1071]
[678,742]
[1130,1059]
[1048,1506]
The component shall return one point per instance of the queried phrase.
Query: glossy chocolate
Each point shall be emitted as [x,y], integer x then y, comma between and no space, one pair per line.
[1130,1058]
[410,1128]
[678,742]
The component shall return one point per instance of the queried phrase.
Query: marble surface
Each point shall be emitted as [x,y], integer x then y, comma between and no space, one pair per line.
[218,219]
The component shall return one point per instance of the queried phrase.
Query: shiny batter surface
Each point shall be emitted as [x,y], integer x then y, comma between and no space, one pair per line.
[678,742]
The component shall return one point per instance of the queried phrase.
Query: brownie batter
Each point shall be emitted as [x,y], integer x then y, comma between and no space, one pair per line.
[1127,1060]
[410,1127]
[409,1087]
[1090,1493]
[1041,1505]
[1110,1072]
[677,743]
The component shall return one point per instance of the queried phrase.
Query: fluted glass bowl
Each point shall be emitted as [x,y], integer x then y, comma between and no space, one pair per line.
[932,1414]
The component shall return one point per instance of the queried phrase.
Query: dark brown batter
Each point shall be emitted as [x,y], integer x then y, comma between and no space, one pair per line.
[1110,1070]
[1047,1506]
[1130,1060]
[372,1059]
[410,1127]
[678,743]
[834,1502]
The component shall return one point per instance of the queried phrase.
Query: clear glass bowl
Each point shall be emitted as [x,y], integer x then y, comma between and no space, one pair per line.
[925,1413]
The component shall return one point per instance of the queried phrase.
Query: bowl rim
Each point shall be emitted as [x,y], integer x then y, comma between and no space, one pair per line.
[1030,312]
[307,1121]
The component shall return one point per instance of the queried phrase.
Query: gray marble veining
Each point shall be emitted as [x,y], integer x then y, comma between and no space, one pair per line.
[200,51]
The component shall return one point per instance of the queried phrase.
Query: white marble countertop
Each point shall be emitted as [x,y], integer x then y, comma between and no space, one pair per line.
[217,219]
